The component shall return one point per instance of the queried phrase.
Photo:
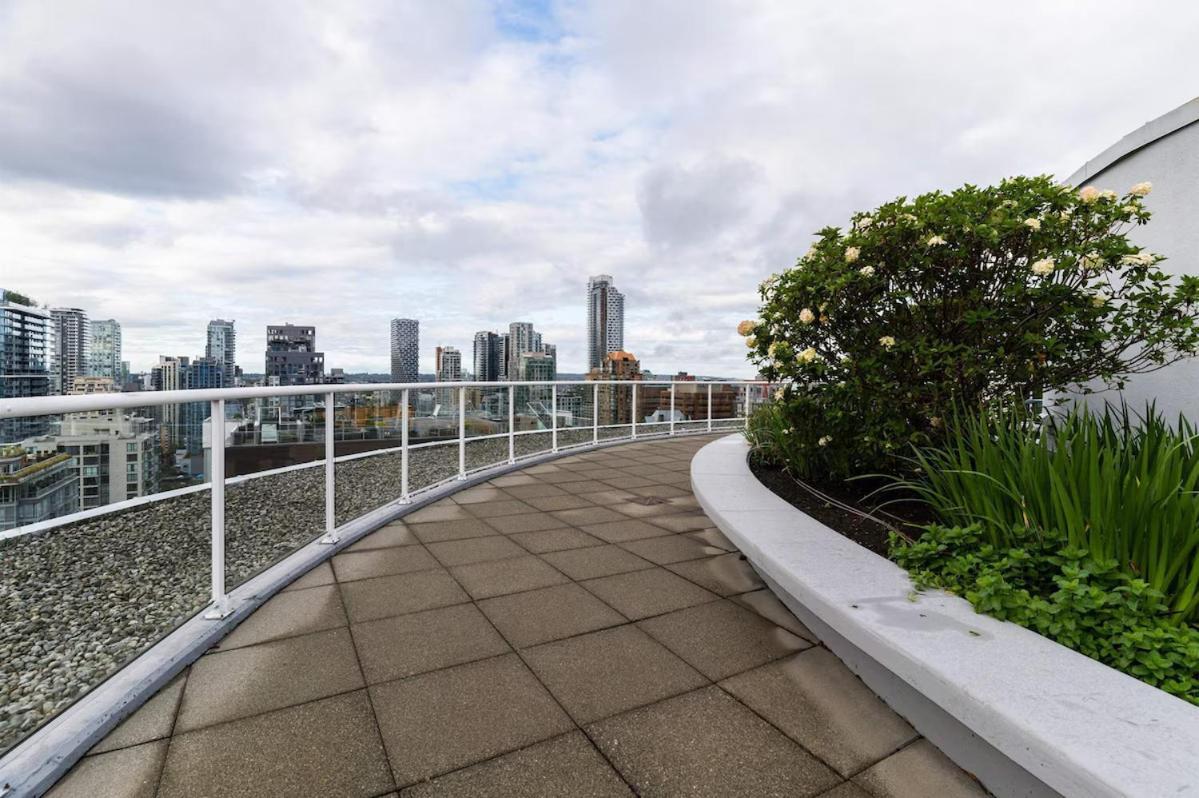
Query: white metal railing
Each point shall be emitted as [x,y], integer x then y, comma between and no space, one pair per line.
[747,392]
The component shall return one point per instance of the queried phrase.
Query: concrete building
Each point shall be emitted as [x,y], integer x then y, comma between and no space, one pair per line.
[615,402]
[1166,153]
[539,367]
[504,347]
[104,353]
[605,319]
[115,456]
[71,345]
[520,340]
[35,486]
[405,350]
[487,356]
[200,373]
[25,360]
[291,355]
[221,346]
[169,375]
[449,364]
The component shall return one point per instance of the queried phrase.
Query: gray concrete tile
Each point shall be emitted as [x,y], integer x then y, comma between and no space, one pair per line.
[846,789]
[445,720]
[918,771]
[384,596]
[479,493]
[531,522]
[563,477]
[462,529]
[642,594]
[289,614]
[327,747]
[659,491]
[564,766]
[704,743]
[713,537]
[769,607]
[153,720]
[508,480]
[610,671]
[246,681]
[444,510]
[608,497]
[392,648]
[682,522]
[588,515]
[587,488]
[645,507]
[552,503]
[127,773]
[318,575]
[463,552]
[382,562]
[394,534]
[670,549]
[818,702]
[595,562]
[628,482]
[534,490]
[538,616]
[721,638]
[496,509]
[498,577]
[624,530]
[555,540]
[727,575]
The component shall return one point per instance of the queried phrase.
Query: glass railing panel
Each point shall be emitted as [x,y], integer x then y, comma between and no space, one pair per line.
[486,424]
[615,407]
[432,464]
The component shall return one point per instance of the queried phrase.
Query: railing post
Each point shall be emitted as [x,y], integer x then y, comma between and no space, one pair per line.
[404,499]
[633,414]
[554,417]
[462,433]
[672,407]
[745,406]
[511,424]
[709,407]
[330,471]
[216,478]
[595,414]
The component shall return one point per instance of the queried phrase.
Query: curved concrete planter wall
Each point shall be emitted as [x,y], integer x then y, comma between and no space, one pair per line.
[1024,714]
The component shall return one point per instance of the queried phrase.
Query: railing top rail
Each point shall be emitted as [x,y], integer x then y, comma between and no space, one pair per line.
[81,403]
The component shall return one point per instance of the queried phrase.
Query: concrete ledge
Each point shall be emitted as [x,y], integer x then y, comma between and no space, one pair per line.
[1024,714]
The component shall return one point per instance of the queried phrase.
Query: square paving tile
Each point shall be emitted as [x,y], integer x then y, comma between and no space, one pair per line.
[368,599]
[538,616]
[563,477]
[319,575]
[392,648]
[246,681]
[641,594]
[498,577]
[588,488]
[531,522]
[671,548]
[564,766]
[596,561]
[628,481]
[328,747]
[289,614]
[588,515]
[721,638]
[846,789]
[462,529]
[153,720]
[444,510]
[818,702]
[635,509]
[382,562]
[552,503]
[555,540]
[445,720]
[128,773]
[624,530]
[535,490]
[610,671]
[683,522]
[508,480]
[916,771]
[479,493]
[769,607]
[496,509]
[394,534]
[705,743]
[463,552]
[660,491]
[713,537]
[726,575]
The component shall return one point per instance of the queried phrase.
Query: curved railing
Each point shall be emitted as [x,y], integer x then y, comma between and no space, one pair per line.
[84,594]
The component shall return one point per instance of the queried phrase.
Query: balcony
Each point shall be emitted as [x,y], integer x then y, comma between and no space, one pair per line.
[575,622]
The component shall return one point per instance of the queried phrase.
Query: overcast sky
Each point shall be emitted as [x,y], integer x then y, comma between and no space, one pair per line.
[470,164]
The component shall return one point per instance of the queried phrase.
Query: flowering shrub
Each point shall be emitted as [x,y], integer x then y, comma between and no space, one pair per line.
[960,299]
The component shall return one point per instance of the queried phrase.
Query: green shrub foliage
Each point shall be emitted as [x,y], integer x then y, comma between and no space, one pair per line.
[961,299]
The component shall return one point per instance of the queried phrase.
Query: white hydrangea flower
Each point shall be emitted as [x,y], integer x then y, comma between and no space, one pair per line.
[866,271]
[865,222]
[1100,298]
[773,349]
[825,441]
[851,254]
[1141,189]
[809,355]
[887,341]
[1032,224]
[936,241]
[1129,208]
[1088,194]
[1066,214]
[1091,261]
[1138,259]
[806,316]
[751,342]
[1107,193]
[778,394]
[1043,267]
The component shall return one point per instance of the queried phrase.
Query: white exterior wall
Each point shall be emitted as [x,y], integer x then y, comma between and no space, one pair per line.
[1165,152]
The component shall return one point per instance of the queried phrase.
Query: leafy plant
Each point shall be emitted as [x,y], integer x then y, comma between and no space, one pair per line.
[959,299]
[1121,487]
[1043,583]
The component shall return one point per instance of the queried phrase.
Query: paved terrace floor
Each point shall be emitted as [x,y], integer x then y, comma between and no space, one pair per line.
[573,629]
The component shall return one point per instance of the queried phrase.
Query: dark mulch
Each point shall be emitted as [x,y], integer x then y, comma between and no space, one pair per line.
[905,517]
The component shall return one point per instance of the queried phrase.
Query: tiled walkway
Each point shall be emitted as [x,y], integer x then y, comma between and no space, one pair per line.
[574,629]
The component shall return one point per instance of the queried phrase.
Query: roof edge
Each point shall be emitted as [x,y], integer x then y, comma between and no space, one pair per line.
[1146,134]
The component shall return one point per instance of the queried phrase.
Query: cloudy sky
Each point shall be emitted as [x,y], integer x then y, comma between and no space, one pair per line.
[471,163]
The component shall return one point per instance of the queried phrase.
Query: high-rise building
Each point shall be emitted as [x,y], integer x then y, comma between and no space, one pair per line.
[520,340]
[35,487]
[291,355]
[169,375]
[504,347]
[449,365]
[71,344]
[616,401]
[115,456]
[25,340]
[487,356]
[605,319]
[200,373]
[405,350]
[222,347]
[104,353]
[535,367]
